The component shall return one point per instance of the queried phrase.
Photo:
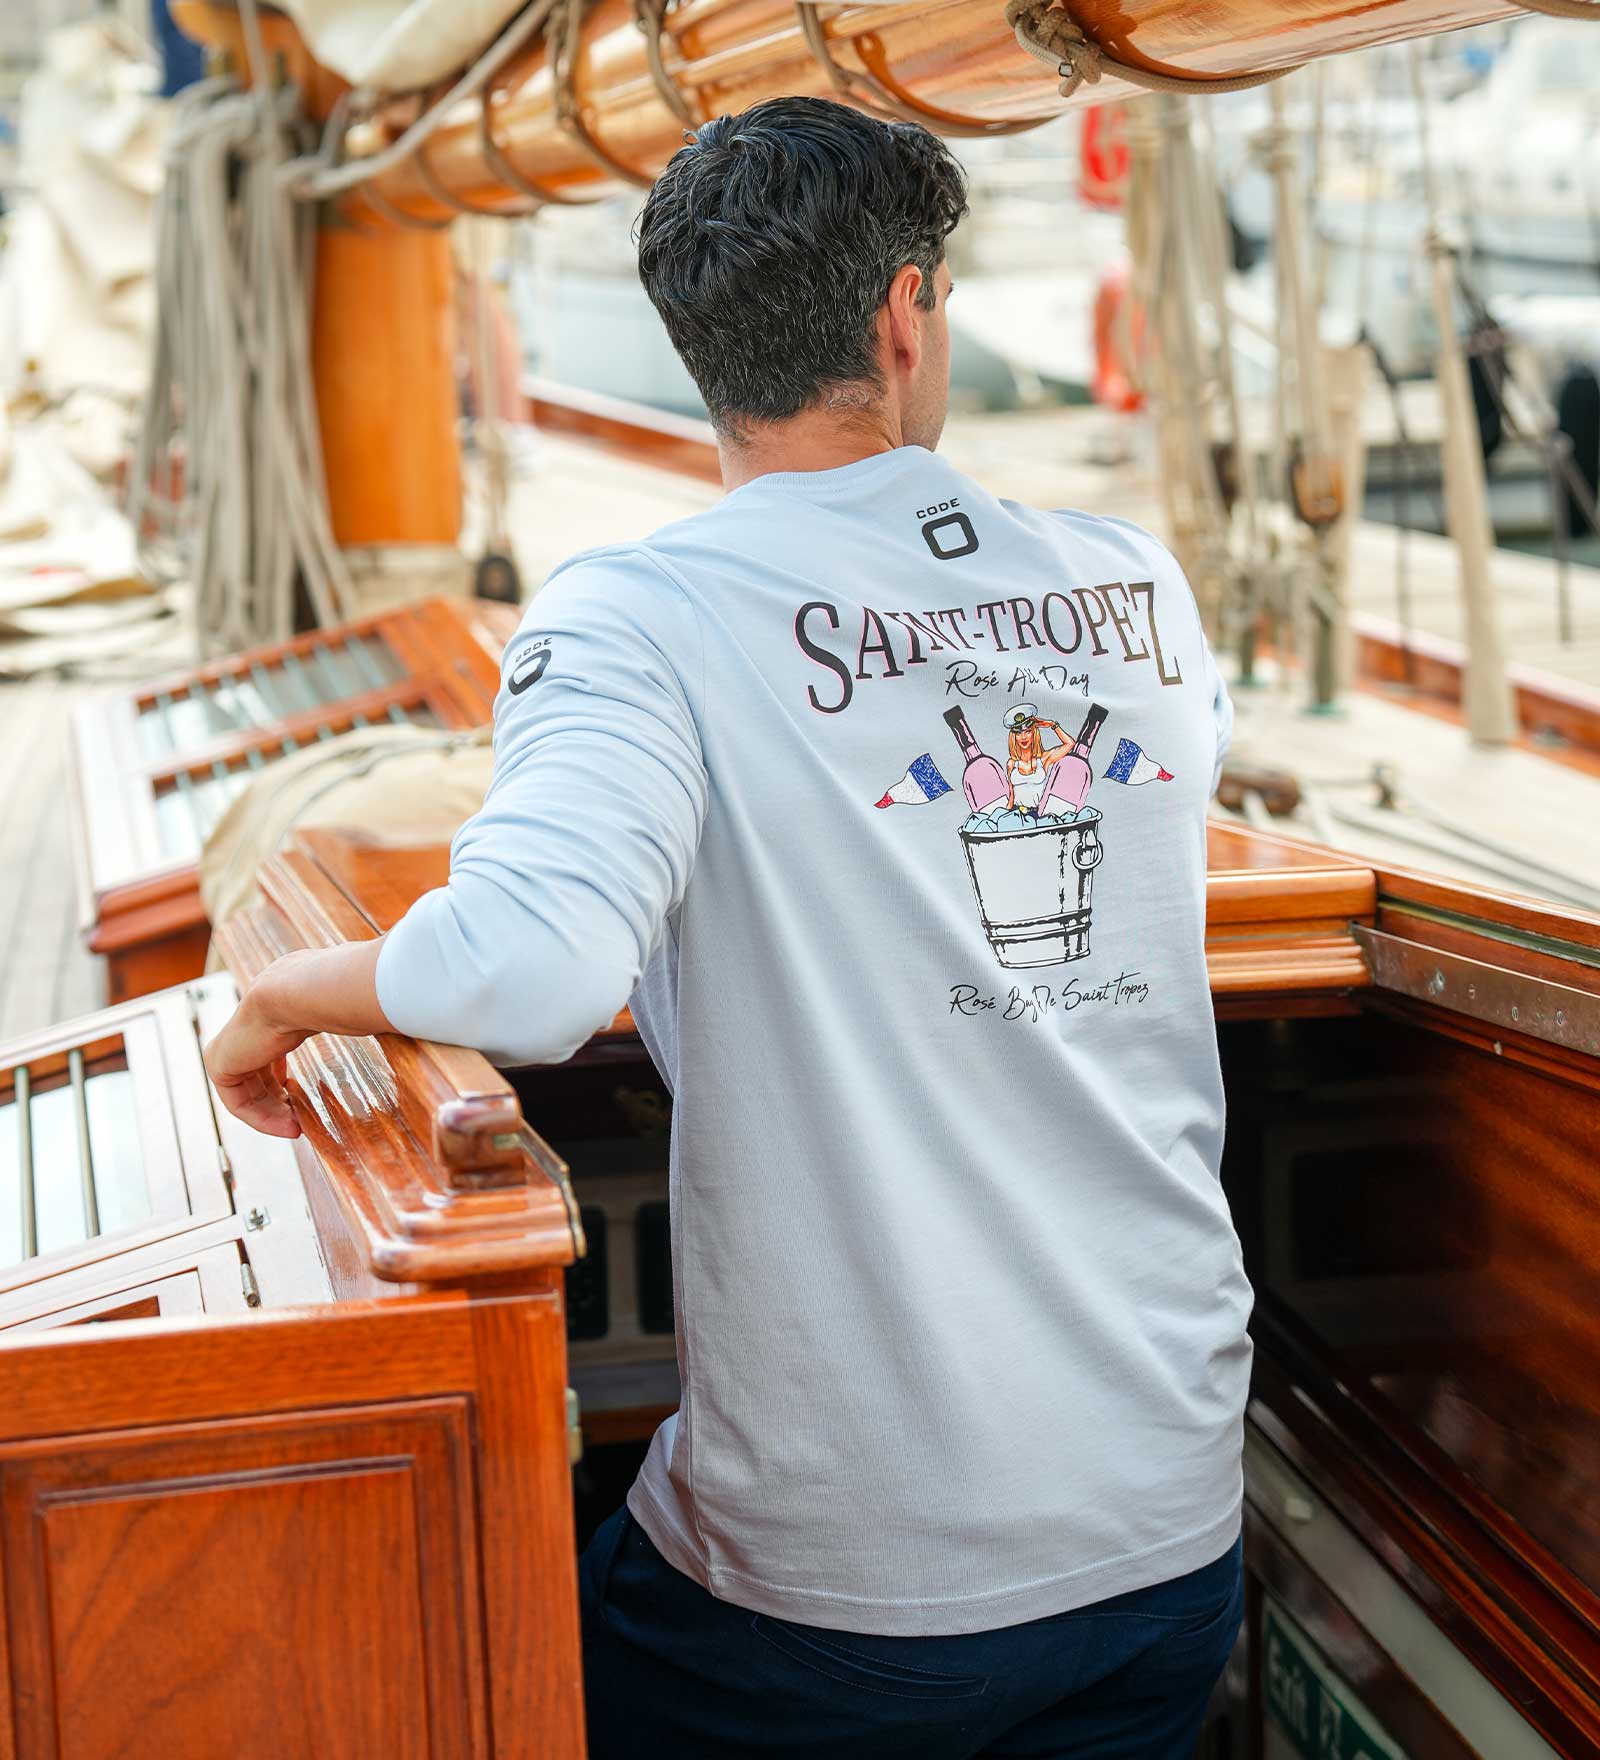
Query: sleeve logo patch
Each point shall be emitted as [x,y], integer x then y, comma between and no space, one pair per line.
[528,667]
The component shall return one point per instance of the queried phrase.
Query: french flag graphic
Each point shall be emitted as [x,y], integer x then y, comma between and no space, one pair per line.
[920,784]
[1130,764]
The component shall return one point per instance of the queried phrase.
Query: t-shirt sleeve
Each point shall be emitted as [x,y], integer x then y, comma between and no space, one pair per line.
[561,884]
[1221,711]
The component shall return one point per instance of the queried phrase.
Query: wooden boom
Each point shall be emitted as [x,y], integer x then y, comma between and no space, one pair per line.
[382,288]
[955,63]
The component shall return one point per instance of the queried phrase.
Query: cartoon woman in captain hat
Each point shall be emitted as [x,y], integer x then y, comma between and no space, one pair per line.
[1030,761]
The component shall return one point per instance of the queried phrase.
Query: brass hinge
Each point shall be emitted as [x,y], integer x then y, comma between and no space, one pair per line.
[252,1289]
[1495,995]
[574,1428]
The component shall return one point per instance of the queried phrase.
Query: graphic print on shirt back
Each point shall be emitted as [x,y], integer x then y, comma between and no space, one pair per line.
[1032,842]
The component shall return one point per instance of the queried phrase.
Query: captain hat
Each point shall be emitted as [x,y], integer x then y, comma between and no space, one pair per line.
[1019,715]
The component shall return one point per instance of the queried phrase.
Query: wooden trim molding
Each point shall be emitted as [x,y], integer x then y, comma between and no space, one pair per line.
[1545,703]
[630,430]
[425,1145]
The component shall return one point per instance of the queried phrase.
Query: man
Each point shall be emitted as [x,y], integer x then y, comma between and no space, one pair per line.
[960,1310]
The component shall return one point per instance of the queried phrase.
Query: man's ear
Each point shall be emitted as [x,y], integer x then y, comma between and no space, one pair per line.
[905,318]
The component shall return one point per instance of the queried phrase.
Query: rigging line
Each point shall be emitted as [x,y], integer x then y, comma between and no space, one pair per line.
[563,42]
[538,194]
[1050,34]
[230,375]
[651,16]
[1496,373]
[1368,209]
[1402,504]
[446,198]
[1545,441]
[870,92]
[321,181]
[1483,319]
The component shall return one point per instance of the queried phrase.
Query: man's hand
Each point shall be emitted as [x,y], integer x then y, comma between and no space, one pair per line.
[247,1064]
[321,990]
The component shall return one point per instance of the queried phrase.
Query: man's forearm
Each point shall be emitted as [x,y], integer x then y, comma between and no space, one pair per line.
[321,990]
[316,990]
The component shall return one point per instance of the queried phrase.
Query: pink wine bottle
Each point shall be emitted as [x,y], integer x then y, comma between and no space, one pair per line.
[983,778]
[1066,786]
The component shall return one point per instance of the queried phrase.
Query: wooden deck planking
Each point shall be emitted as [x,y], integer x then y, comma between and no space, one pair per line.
[1525,589]
[46,974]
[1509,796]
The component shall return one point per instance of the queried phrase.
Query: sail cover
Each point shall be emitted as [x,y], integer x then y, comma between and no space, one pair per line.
[397,45]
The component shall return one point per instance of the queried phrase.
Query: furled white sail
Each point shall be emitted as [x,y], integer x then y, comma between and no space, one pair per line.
[397,45]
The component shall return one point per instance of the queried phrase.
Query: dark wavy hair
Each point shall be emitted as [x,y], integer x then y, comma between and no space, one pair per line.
[769,242]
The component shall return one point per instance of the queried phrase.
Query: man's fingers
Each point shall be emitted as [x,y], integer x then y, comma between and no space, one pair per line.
[261,1102]
[272,1120]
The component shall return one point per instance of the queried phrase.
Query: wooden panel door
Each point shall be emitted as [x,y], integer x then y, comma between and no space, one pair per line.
[302,1585]
[342,1532]
[108,1141]
[211,1281]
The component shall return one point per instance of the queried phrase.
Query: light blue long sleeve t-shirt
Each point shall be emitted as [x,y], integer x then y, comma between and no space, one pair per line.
[960,1309]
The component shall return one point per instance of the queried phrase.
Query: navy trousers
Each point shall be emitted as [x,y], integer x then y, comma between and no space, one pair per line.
[672,1673]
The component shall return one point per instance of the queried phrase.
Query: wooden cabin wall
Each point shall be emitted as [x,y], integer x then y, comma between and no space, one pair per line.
[1419,1203]
[1430,1212]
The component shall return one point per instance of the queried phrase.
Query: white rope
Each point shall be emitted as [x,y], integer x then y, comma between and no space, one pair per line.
[230,385]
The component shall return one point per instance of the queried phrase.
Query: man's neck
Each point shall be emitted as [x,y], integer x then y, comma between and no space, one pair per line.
[815,440]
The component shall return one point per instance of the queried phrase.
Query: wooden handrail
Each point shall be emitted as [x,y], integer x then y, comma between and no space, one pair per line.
[425,1145]
[631,430]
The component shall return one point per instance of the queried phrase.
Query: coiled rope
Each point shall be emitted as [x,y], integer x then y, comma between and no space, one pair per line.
[231,379]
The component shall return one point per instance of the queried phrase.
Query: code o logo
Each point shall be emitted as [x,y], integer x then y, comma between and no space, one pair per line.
[951,536]
[529,669]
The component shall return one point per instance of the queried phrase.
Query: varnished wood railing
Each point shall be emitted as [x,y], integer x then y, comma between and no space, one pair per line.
[425,1146]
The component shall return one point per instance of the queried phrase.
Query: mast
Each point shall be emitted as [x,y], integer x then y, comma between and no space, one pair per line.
[1486,694]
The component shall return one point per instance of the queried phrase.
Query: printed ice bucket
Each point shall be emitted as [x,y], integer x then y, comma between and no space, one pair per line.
[1033,889]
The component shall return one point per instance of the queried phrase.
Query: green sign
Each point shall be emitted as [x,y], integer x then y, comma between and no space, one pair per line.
[1314,1715]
